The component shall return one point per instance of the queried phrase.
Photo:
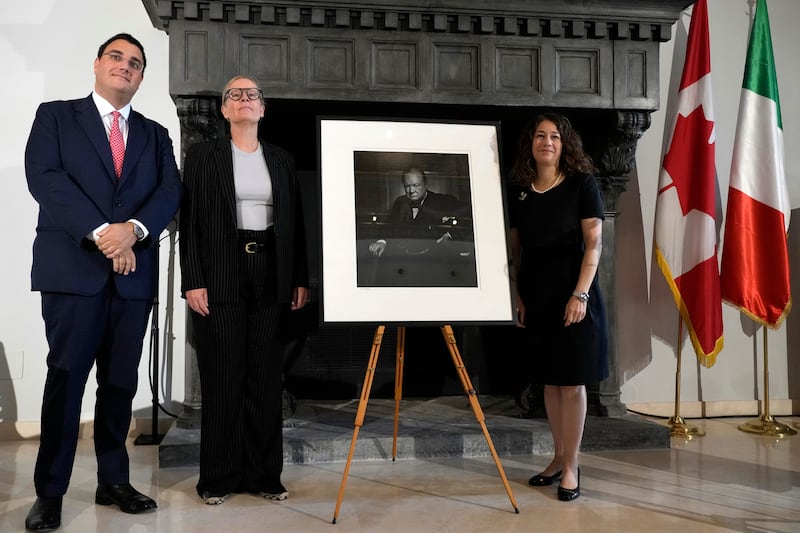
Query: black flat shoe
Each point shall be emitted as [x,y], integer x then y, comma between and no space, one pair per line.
[45,515]
[567,495]
[540,480]
[128,499]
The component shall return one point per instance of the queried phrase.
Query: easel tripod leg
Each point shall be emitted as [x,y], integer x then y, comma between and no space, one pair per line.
[450,340]
[362,409]
[398,384]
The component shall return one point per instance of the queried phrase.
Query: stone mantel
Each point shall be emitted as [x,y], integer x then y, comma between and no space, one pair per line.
[501,60]
[571,54]
[641,20]
[621,19]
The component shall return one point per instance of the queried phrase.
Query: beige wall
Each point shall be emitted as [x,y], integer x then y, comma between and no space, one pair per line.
[47,48]
[648,327]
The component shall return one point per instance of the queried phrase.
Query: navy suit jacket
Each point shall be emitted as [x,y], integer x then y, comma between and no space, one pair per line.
[71,175]
[209,244]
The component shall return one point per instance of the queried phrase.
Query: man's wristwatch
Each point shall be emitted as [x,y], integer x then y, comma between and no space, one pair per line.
[582,296]
[138,231]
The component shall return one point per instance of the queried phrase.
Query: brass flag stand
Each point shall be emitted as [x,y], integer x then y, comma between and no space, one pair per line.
[677,427]
[449,338]
[766,424]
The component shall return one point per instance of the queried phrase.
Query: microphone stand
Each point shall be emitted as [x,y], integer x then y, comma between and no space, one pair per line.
[154,437]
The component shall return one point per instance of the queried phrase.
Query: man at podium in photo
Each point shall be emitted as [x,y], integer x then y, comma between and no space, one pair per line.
[428,242]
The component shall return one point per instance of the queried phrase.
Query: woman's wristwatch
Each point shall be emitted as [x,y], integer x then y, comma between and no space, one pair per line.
[582,296]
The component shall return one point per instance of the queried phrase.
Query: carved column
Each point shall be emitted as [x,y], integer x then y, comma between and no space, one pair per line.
[614,166]
[199,122]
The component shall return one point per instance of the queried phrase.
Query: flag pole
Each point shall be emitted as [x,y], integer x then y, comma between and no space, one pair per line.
[766,424]
[677,427]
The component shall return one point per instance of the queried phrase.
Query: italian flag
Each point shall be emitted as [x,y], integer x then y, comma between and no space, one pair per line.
[685,225]
[755,258]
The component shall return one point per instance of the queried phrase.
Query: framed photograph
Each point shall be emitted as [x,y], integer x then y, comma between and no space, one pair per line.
[413,224]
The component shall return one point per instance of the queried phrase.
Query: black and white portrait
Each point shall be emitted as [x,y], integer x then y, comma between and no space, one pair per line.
[413,220]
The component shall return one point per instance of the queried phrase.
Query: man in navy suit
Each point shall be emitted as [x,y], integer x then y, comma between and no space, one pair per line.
[95,264]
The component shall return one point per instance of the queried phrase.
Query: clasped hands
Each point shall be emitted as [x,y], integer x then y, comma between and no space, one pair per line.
[116,242]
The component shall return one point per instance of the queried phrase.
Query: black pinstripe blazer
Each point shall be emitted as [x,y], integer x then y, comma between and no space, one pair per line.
[208,235]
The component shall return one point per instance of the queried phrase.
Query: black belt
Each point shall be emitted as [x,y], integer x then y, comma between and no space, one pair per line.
[254,247]
[255,242]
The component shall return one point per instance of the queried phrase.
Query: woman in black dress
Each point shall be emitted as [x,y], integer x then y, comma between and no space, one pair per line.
[556,238]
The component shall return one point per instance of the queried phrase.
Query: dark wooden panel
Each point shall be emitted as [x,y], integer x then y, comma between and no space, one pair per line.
[265,58]
[195,57]
[582,73]
[393,65]
[577,71]
[330,62]
[518,68]
[636,75]
[456,67]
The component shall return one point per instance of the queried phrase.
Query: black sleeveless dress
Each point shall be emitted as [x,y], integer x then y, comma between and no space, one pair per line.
[549,226]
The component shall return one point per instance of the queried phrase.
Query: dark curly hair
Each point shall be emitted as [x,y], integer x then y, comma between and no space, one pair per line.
[573,158]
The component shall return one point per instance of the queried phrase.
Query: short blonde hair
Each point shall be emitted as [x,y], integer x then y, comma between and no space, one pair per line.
[236,78]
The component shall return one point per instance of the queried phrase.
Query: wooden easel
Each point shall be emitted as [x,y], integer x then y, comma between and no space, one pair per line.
[450,339]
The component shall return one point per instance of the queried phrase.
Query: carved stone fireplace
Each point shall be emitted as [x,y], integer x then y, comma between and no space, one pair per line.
[502,60]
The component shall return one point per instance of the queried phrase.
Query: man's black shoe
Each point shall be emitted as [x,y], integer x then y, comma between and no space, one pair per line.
[45,515]
[126,497]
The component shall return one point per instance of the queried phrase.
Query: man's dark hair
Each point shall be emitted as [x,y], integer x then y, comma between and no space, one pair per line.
[125,37]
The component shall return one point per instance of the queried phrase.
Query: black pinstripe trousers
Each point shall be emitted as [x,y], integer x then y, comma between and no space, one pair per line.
[240,365]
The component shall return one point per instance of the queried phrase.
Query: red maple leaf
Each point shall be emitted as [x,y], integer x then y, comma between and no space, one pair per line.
[690,163]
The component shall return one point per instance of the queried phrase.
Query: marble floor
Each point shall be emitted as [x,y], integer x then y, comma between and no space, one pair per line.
[726,481]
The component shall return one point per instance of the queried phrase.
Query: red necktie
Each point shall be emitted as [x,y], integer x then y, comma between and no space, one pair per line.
[117,144]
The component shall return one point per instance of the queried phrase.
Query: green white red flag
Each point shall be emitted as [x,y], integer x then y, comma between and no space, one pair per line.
[755,258]
[685,226]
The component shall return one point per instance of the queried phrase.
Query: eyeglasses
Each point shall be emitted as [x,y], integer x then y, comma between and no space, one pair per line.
[134,64]
[237,94]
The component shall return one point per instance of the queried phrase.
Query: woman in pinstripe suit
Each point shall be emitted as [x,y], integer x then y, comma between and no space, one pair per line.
[244,266]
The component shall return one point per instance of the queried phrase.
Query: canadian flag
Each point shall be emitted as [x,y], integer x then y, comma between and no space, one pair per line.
[755,257]
[685,226]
